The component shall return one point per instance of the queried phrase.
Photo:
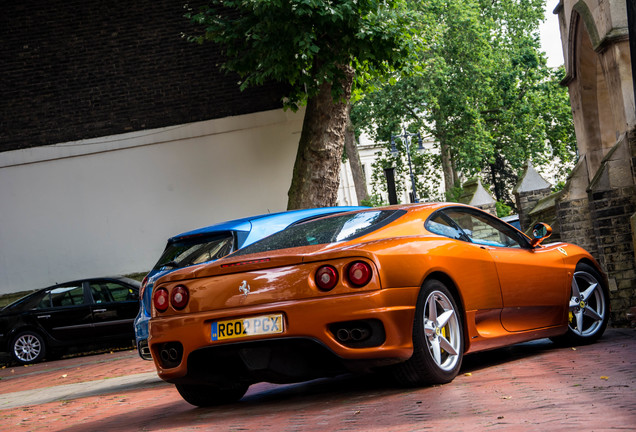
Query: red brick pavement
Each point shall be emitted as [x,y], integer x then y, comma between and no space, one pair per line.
[72,370]
[529,387]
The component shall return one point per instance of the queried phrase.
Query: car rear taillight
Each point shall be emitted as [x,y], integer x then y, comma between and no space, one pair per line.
[359,273]
[180,297]
[160,299]
[326,277]
[143,286]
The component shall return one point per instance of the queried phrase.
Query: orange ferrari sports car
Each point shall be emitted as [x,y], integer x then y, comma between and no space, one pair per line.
[408,289]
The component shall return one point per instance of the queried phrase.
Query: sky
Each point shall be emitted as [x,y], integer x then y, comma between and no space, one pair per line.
[550,35]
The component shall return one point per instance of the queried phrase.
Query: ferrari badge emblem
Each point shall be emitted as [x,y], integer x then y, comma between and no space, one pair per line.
[244,288]
[563,251]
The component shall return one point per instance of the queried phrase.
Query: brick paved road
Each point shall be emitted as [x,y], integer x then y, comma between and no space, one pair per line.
[531,387]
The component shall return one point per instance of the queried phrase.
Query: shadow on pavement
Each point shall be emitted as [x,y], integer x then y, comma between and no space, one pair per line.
[271,400]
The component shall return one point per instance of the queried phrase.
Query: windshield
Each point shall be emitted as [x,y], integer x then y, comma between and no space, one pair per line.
[325,230]
[195,250]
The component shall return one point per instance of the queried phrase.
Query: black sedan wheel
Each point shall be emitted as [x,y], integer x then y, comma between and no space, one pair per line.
[438,344]
[28,347]
[210,395]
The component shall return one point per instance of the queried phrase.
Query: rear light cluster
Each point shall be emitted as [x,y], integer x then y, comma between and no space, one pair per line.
[357,274]
[178,298]
[144,283]
[143,287]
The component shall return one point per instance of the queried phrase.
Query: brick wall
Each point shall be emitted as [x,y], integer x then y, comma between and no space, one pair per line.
[490,208]
[612,211]
[546,211]
[79,69]
[526,201]
[576,225]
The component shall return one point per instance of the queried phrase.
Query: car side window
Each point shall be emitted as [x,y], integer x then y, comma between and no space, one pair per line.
[45,302]
[71,295]
[108,292]
[442,226]
[485,230]
[119,292]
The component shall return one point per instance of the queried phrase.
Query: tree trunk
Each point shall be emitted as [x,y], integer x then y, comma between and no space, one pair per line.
[359,180]
[493,179]
[316,174]
[447,166]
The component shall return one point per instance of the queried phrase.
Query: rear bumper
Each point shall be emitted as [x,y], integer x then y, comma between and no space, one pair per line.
[308,319]
[143,349]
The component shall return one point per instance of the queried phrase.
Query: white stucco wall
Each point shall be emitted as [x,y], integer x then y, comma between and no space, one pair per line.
[107,206]
[368,150]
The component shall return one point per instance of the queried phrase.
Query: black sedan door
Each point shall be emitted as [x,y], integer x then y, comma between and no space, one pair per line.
[65,313]
[115,306]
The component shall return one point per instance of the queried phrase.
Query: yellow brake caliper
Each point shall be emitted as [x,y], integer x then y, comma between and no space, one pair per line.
[444,336]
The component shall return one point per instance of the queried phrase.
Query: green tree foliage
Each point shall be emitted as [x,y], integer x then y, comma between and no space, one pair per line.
[502,209]
[305,42]
[320,48]
[481,89]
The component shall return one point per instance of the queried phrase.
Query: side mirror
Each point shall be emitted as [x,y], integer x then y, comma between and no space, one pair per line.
[540,232]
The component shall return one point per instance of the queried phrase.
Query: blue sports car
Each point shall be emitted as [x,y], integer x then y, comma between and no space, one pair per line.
[209,244]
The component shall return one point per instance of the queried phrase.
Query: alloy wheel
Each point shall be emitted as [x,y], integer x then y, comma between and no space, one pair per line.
[442,330]
[27,347]
[587,305]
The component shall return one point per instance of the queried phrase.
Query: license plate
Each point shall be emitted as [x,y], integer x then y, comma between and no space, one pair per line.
[243,327]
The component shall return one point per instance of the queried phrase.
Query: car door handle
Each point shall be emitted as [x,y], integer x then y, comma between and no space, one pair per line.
[44,316]
[100,310]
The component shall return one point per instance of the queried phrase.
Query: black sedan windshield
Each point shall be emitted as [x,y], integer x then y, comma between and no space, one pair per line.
[325,230]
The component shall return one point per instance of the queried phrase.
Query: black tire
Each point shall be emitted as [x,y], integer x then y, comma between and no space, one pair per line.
[438,345]
[589,307]
[28,347]
[211,395]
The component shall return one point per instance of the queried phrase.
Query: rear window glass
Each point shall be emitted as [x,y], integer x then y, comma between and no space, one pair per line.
[195,250]
[28,302]
[331,229]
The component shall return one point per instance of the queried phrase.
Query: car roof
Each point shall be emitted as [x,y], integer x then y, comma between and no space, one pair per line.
[263,225]
[126,280]
[123,279]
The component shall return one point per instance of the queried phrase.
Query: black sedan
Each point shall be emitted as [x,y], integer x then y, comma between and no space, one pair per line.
[69,314]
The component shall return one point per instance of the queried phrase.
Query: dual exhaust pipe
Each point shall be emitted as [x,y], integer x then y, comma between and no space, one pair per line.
[170,354]
[355,334]
[363,333]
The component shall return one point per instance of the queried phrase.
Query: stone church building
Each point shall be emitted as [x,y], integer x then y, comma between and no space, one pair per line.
[597,208]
